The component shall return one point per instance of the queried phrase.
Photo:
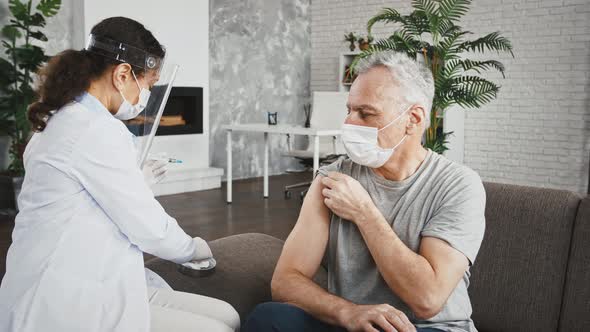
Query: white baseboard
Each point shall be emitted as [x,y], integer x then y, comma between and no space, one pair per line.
[182,179]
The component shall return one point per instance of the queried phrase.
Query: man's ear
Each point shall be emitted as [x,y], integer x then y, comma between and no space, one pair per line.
[121,73]
[417,120]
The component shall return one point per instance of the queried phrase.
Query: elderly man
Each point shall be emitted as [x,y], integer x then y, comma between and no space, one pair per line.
[401,224]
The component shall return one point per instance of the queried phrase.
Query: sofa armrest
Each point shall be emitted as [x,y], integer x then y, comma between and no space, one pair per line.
[245,264]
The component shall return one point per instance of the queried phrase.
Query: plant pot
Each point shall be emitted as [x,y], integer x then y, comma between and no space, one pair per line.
[10,187]
[364,46]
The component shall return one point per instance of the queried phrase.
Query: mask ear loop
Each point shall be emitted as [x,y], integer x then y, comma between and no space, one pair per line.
[394,120]
[136,80]
[397,118]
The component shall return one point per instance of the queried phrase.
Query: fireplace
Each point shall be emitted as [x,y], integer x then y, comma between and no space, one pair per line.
[182,115]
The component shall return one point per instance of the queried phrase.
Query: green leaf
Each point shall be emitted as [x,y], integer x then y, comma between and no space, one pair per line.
[448,47]
[7,76]
[479,66]
[11,32]
[451,29]
[439,144]
[473,91]
[453,10]
[7,46]
[493,42]
[18,9]
[416,23]
[399,42]
[49,8]
[30,57]
[387,15]
[427,6]
[37,20]
[38,35]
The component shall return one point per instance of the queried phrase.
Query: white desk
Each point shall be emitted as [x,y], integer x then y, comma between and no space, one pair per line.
[277,129]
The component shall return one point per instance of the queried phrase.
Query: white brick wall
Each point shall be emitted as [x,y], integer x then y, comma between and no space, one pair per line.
[538,130]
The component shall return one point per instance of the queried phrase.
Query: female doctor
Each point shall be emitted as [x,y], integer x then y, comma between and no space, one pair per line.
[86,212]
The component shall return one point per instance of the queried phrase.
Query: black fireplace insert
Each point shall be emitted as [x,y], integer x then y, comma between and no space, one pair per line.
[183,113]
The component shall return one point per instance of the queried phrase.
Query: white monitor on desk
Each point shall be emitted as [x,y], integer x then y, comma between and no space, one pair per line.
[328,111]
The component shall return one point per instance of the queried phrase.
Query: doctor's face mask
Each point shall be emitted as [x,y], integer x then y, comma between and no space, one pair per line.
[129,111]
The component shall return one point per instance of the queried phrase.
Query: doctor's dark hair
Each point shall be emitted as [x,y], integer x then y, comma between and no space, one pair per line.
[70,73]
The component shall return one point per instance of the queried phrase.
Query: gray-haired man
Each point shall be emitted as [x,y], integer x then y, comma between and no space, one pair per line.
[400,223]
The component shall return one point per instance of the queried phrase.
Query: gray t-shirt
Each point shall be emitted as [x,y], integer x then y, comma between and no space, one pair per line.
[442,199]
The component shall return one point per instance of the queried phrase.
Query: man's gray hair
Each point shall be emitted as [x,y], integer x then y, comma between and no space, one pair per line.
[415,82]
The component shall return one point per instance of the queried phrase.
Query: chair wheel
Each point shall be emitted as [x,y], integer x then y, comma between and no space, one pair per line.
[287,194]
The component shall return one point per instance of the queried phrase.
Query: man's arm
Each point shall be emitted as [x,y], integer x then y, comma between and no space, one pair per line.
[423,280]
[301,257]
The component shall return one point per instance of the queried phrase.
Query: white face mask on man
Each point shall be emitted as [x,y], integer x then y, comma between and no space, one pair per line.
[362,144]
[128,111]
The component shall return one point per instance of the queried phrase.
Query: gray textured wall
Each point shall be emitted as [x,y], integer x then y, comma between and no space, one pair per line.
[259,62]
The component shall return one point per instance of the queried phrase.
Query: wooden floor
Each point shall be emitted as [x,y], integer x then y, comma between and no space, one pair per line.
[206,213]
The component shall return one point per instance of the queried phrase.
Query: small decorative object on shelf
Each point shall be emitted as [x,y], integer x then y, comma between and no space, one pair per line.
[272,118]
[350,38]
[364,44]
[307,110]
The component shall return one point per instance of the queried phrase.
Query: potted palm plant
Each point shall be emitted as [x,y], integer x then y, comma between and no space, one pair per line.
[22,57]
[431,32]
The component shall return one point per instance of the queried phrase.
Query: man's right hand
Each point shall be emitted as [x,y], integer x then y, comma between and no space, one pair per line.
[367,318]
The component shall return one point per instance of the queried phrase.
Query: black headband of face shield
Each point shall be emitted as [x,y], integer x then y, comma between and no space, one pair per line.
[124,53]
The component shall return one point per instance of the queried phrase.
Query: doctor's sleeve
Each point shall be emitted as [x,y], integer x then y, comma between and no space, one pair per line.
[104,161]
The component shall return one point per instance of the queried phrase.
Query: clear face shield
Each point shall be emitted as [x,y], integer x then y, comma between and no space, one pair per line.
[145,125]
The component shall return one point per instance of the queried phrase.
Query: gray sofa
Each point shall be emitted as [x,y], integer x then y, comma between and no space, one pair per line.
[532,272]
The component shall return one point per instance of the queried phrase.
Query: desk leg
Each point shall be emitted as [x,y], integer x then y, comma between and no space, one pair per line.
[316,154]
[229,168]
[266,153]
[334,145]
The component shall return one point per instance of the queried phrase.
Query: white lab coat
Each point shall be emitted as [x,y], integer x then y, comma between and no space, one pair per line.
[86,215]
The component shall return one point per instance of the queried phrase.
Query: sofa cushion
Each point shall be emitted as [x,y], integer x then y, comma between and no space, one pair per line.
[517,280]
[245,264]
[575,313]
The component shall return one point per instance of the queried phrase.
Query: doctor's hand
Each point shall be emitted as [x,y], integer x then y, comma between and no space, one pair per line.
[154,170]
[346,197]
[202,250]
